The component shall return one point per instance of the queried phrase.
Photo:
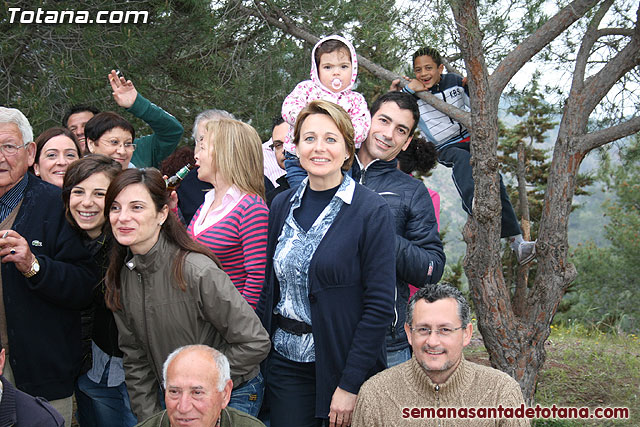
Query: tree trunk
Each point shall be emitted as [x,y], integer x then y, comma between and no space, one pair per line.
[514,337]
[522,274]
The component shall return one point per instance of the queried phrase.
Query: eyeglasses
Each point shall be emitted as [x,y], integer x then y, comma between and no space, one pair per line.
[114,143]
[276,145]
[442,332]
[10,149]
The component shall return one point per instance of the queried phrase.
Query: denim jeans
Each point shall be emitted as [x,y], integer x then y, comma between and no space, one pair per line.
[397,357]
[248,398]
[100,405]
[458,157]
[295,173]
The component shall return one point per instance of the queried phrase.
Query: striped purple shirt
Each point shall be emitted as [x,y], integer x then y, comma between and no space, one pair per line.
[239,240]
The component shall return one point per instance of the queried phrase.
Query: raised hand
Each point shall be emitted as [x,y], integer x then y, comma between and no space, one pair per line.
[124,93]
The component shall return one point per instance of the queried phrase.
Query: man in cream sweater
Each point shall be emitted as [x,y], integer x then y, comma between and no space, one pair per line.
[438,378]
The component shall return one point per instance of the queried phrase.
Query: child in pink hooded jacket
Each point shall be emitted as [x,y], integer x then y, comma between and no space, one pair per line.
[334,68]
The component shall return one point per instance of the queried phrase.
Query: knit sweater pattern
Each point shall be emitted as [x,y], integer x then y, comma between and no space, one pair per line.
[383,397]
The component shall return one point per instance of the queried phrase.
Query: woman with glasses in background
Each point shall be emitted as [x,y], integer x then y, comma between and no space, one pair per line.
[112,135]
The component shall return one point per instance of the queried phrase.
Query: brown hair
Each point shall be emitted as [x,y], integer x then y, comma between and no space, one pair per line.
[82,169]
[236,152]
[339,117]
[45,136]
[172,229]
[329,46]
[104,122]
[176,161]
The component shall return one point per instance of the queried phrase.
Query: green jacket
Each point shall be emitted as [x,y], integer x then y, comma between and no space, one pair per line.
[229,417]
[157,317]
[152,149]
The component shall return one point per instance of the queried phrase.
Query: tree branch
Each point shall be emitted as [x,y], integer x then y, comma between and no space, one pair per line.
[590,37]
[615,32]
[601,137]
[287,25]
[597,86]
[533,44]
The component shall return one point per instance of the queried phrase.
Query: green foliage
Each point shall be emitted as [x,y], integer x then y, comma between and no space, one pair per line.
[588,368]
[453,274]
[607,289]
[190,56]
[535,120]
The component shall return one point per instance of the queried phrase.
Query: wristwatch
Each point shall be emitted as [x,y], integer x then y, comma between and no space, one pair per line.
[35,267]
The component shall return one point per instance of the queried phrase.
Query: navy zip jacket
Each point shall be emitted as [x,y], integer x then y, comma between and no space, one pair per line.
[351,280]
[43,312]
[20,409]
[420,258]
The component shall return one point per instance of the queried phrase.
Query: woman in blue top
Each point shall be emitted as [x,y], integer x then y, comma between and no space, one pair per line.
[330,279]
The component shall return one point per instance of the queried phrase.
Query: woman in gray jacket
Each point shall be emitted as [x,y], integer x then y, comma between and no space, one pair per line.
[168,291]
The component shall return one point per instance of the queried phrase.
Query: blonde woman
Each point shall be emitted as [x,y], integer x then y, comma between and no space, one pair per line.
[329,292]
[232,221]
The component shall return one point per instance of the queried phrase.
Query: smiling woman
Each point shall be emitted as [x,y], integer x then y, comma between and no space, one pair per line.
[56,148]
[110,134]
[326,300]
[167,291]
[100,403]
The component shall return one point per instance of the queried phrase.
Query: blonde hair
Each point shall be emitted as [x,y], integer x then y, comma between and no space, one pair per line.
[339,116]
[235,149]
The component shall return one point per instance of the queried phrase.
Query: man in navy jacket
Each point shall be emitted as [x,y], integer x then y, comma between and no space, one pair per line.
[20,409]
[47,275]
[419,254]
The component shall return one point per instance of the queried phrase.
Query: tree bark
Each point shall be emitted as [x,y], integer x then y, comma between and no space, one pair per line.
[515,337]
[522,274]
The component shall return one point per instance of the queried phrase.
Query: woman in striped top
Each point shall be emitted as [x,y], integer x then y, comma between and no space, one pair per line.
[232,221]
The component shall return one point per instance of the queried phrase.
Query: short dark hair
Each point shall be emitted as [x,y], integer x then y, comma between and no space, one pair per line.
[404,100]
[82,169]
[277,121]
[428,51]
[79,108]
[432,293]
[104,122]
[329,46]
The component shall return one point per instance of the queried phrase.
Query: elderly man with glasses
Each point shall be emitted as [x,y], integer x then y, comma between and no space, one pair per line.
[46,274]
[437,376]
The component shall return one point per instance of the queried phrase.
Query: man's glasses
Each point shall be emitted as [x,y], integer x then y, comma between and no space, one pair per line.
[11,149]
[276,145]
[443,332]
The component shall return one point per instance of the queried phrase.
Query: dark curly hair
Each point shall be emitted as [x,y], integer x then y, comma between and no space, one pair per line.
[420,156]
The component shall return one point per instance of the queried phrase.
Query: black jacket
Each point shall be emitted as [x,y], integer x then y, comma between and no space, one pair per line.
[19,409]
[43,312]
[350,292]
[420,258]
